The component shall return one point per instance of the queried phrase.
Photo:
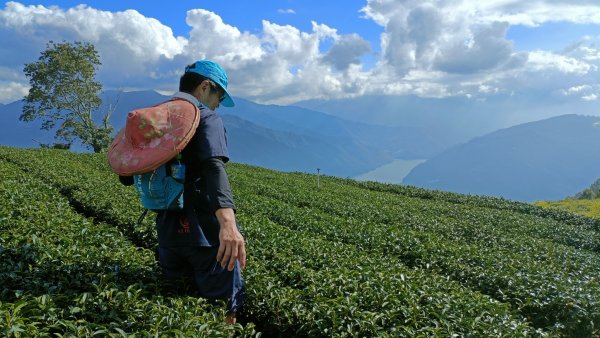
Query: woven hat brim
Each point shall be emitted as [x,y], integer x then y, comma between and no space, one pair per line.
[126,159]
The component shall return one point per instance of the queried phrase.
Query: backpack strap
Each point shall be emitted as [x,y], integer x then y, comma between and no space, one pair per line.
[187,97]
[141,218]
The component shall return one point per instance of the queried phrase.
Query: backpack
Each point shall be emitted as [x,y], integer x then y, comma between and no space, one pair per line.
[162,188]
[159,183]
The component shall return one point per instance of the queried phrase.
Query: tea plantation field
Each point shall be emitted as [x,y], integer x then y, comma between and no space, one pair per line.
[349,259]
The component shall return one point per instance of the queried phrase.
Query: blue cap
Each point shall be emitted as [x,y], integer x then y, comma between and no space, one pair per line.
[211,70]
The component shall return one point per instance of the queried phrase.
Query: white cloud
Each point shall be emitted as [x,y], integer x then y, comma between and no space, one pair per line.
[211,38]
[586,92]
[289,43]
[12,91]
[432,48]
[461,46]
[346,50]
[294,69]
[282,64]
[541,60]
[129,44]
[577,89]
[438,35]
[485,49]
[141,36]
[590,54]
[535,13]
[487,89]
[286,11]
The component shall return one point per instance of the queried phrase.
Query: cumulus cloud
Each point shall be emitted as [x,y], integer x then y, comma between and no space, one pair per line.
[577,89]
[347,50]
[485,49]
[12,91]
[211,38]
[281,64]
[542,60]
[13,84]
[462,46]
[433,48]
[433,35]
[129,30]
[127,42]
[590,54]
[293,68]
[535,13]
[586,92]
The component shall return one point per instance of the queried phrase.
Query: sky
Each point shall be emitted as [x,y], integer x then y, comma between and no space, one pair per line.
[286,51]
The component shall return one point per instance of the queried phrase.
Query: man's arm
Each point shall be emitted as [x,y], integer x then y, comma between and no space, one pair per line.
[232,246]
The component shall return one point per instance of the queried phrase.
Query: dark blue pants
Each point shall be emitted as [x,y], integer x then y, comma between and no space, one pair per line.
[210,280]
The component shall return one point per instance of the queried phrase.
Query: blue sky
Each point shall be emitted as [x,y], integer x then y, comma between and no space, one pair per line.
[246,15]
[288,51]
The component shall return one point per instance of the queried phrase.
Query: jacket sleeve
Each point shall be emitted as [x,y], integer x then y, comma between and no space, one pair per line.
[217,184]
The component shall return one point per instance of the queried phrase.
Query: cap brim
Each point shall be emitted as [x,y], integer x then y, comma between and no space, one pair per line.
[228,101]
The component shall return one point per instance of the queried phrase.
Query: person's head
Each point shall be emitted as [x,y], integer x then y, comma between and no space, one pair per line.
[207,81]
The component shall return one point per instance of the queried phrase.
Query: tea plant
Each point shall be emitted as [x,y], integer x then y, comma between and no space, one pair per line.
[362,259]
[62,274]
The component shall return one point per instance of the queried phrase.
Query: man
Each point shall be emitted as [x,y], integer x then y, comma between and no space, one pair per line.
[200,245]
[204,241]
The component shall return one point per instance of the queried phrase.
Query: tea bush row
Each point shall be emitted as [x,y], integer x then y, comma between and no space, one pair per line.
[289,283]
[64,275]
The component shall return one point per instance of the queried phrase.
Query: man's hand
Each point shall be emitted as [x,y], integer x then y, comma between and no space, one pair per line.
[232,246]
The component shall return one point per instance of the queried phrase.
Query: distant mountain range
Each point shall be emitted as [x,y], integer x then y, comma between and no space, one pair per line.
[543,160]
[279,137]
[458,150]
[453,120]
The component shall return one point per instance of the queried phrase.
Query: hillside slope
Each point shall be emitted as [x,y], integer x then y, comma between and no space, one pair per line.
[288,151]
[387,260]
[544,160]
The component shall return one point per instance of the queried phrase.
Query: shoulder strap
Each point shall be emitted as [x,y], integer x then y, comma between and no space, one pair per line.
[198,110]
